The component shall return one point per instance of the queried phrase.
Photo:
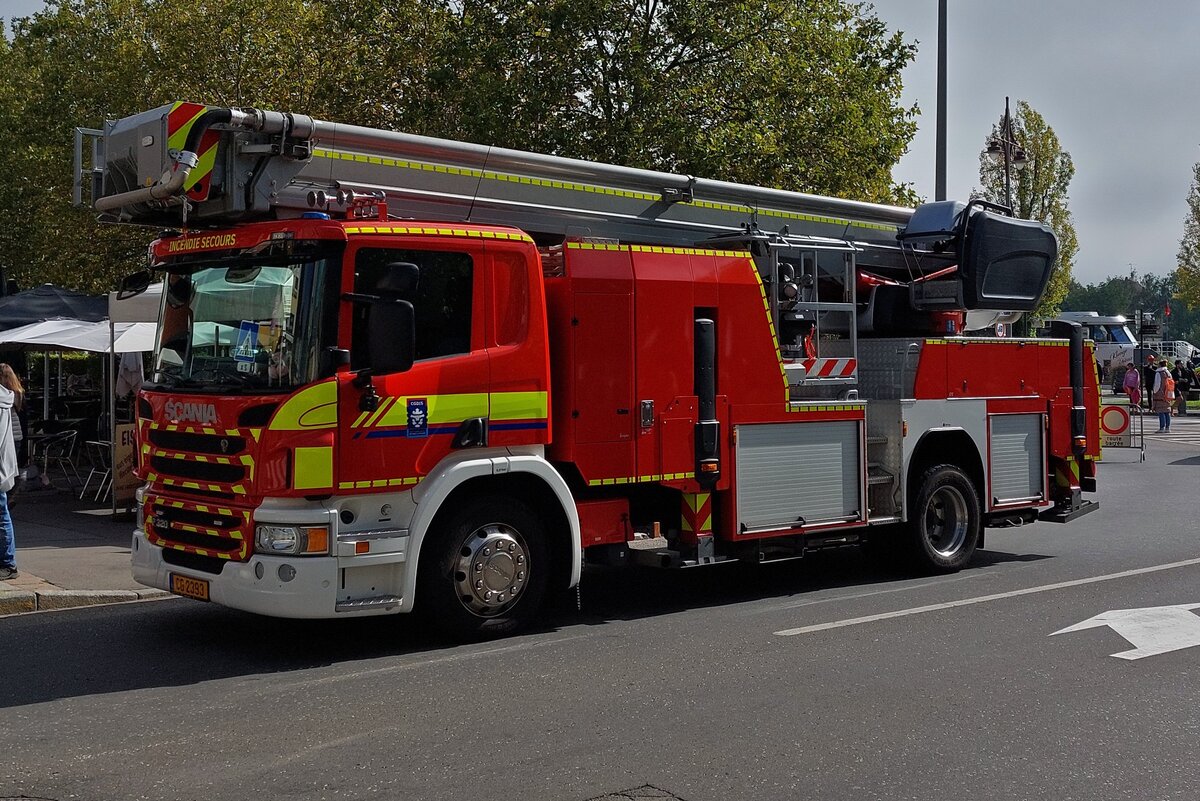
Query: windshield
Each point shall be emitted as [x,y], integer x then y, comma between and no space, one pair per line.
[1119,333]
[249,325]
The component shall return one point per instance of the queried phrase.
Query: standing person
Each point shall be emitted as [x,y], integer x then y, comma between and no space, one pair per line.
[1183,384]
[1163,395]
[8,479]
[20,421]
[1149,375]
[1131,384]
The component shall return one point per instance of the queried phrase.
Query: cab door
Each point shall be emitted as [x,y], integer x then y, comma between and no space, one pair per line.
[418,412]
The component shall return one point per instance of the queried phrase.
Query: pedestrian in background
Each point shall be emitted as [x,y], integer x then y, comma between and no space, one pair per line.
[1184,380]
[1164,396]
[1149,375]
[20,420]
[8,479]
[1131,385]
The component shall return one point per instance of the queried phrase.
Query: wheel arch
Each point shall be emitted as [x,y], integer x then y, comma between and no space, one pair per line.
[528,478]
[953,446]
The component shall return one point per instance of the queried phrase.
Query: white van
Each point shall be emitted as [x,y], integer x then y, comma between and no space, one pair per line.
[1115,343]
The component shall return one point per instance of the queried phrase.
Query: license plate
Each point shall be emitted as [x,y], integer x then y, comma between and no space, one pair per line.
[189,587]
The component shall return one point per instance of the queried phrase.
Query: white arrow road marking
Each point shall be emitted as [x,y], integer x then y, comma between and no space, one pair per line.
[1154,629]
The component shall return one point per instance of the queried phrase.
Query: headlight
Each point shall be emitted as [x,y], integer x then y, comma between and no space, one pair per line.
[139,497]
[302,540]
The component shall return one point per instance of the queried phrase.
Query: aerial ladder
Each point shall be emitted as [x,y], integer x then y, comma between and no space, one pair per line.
[911,272]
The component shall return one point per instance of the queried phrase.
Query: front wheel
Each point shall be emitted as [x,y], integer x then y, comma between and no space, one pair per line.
[944,519]
[483,570]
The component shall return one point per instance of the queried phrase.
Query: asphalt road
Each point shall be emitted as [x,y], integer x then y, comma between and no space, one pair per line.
[829,678]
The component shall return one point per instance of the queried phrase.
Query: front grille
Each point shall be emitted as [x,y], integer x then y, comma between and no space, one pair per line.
[198,480]
[203,494]
[204,541]
[195,517]
[198,527]
[197,443]
[201,471]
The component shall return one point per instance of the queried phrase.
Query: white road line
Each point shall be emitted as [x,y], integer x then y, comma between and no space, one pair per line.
[855,596]
[916,610]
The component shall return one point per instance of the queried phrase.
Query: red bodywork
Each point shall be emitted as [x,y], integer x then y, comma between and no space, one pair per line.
[588,346]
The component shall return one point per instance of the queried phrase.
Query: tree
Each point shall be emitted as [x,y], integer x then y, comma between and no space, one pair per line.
[1128,294]
[795,95]
[1188,271]
[1040,192]
[79,62]
[799,94]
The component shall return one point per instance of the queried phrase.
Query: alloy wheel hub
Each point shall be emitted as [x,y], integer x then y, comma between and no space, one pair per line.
[491,569]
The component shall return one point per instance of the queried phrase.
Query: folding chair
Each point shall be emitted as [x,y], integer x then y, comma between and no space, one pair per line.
[98,453]
[60,450]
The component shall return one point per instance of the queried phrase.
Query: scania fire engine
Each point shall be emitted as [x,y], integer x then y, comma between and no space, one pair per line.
[397,373]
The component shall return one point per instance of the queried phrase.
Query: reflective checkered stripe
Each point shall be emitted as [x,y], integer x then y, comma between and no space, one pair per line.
[609,482]
[375,483]
[830,368]
[439,230]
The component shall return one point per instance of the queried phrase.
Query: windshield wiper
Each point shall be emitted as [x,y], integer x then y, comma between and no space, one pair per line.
[238,379]
[169,379]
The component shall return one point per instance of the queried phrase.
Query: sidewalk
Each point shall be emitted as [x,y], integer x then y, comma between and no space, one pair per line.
[69,553]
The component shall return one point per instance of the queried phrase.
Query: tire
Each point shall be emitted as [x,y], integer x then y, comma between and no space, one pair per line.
[944,520]
[483,570]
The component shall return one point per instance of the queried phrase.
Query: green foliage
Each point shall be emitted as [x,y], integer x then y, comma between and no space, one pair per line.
[1040,192]
[799,95]
[1132,293]
[1187,274]
[793,95]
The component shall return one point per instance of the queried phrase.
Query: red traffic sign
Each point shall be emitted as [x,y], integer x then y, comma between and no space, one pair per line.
[1114,420]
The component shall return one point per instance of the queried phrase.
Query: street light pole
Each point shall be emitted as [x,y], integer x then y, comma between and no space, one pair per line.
[939,192]
[1004,149]
[1007,133]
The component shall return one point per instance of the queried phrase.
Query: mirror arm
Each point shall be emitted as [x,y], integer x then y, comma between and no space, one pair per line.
[369,400]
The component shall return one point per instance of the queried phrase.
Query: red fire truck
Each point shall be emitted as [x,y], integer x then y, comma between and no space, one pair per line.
[398,374]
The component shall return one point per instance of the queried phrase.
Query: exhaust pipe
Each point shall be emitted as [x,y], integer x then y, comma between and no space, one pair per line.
[171,184]
[1073,332]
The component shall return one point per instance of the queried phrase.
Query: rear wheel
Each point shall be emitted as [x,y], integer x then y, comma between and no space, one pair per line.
[944,519]
[483,571]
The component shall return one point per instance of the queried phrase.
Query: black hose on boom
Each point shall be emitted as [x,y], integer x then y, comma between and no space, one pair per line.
[214,116]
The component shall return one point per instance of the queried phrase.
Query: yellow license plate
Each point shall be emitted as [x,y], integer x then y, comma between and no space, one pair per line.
[189,587]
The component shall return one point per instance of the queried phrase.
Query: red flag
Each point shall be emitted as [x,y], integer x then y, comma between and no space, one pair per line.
[1167,310]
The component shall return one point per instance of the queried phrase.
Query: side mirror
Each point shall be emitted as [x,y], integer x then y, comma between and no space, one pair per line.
[179,292]
[392,336]
[135,284]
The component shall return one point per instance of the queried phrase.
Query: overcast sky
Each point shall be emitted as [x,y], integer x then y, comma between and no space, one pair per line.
[1118,80]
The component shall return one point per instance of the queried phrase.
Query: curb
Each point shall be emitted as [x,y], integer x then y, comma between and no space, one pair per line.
[16,602]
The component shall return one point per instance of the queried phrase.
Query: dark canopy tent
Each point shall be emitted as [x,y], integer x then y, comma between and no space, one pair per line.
[48,302]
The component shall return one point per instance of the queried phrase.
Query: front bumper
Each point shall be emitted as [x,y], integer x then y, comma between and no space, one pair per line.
[320,587]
